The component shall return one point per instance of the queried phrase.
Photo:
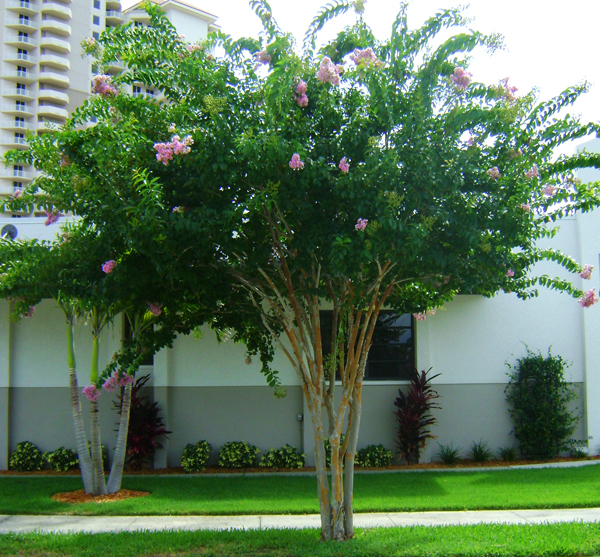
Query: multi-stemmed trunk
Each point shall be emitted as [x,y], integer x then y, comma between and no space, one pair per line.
[289,299]
[116,470]
[85,464]
[95,435]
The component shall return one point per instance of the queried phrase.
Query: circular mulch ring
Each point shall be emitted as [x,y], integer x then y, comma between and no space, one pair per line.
[80,496]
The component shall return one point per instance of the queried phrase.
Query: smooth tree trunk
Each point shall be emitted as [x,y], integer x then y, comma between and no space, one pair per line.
[116,470]
[95,435]
[85,464]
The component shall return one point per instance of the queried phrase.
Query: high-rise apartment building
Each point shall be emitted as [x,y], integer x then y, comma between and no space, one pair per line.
[43,75]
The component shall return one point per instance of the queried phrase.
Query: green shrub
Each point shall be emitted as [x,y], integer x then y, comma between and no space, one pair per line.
[286,457]
[507,454]
[237,454]
[448,454]
[194,457]
[62,459]
[578,453]
[480,452]
[375,456]
[327,445]
[538,396]
[26,458]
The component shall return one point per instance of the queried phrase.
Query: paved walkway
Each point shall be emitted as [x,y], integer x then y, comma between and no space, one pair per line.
[96,524]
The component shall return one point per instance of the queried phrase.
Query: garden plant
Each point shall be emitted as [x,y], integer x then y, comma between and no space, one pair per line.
[276,176]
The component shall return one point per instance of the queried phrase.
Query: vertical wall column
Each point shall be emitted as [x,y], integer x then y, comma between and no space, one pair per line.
[589,237]
[161,396]
[5,338]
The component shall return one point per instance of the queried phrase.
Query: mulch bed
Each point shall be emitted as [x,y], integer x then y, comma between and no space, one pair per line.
[80,496]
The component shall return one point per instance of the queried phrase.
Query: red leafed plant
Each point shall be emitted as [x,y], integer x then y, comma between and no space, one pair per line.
[145,428]
[413,415]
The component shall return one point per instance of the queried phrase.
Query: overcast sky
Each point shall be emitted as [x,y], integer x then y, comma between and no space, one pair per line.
[549,44]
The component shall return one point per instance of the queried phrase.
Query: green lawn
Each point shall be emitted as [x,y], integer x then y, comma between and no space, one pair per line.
[414,491]
[556,540]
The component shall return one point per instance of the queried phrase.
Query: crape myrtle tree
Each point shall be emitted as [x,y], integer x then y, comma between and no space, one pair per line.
[119,254]
[366,174]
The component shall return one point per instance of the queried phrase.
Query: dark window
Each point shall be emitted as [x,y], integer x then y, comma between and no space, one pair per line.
[96,35]
[21,87]
[96,20]
[137,90]
[392,355]
[23,19]
[17,186]
[97,4]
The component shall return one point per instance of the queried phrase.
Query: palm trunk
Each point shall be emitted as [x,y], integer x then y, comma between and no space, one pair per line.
[95,436]
[116,471]
[80,438]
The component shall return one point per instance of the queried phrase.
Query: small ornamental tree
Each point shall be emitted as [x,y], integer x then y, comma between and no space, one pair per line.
[538,396]
[367,174]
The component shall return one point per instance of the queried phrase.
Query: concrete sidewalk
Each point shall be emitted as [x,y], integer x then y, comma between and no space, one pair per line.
[96,524]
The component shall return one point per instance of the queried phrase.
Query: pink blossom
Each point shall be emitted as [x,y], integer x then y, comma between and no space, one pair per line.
[109,266]
[507,91]
[431,312]
[155,309]
[344,166]
[193,47]
[16,194]
[295,162]
[420,316]
[51,217]
[302,100]
[366,57]
[301,87]
[510,273]
[172,128]
[587,272]
[328,72]
[91,392]
[549,190]
[102,86]
[461,78]
[263,57]
[361,224]
[64,160]
[110,384]
[248,360]
[177,146]
[526,207]
[29,313]
[588,299]
[494,173]
[533,172]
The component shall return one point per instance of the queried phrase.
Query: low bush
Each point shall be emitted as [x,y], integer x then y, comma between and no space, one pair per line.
[286,457]
[480,452]
[194,457]
[26,458]
[62,459]
[238,454]
[578,453]
[507,454]
[375,456]
[448,454]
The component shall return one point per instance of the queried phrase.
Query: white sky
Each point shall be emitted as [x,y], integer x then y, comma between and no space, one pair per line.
[549,44]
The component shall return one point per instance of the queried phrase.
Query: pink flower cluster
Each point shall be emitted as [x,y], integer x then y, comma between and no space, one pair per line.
[461,78]
[588,299]
[176,146]
[115,381]
[361,224]
[91,392]
[329,72]
[263,57]
[366,57]
[102,86]
[109,266]
[494,173]
[193,47]
[51,217]
[510,273]
[507,91]
[587,272]
[420,316]
[295,162]
[301,99]
[29,313]
[533,172]
[155,309]
[549,190]
[526,207]
[344,166]
[16,194]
